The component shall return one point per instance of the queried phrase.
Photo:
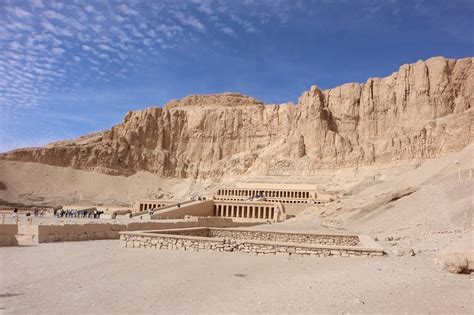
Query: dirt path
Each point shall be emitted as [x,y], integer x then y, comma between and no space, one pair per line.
[101,277]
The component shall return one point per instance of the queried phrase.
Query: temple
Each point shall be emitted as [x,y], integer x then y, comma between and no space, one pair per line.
[285,193]
[255,201]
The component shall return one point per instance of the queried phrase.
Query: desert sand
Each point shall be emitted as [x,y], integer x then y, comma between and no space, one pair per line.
[100,277]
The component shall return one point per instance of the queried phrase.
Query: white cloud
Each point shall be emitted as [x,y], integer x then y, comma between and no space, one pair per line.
[89,8]
[105,47]
[56,5]
[58,50]
[19,12]
[48,26]
[127,10]
[248,26]
[37,3]
[228,30]
[134,31]
[119,18]
[190,20]
[204,6]
[15,45]
[50,14]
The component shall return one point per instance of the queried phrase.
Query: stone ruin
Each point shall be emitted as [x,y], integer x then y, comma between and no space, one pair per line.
[254,242]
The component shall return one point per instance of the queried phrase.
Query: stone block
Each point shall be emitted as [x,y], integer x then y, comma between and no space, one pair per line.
[112,235]
[6,240]
[53,238]
[99,235]
[72,237]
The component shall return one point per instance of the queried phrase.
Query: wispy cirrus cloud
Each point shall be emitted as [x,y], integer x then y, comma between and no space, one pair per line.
[50,46]
[189,20]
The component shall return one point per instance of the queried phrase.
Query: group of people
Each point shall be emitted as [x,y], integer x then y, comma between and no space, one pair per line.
[61,213]
[71,213]
[37,213]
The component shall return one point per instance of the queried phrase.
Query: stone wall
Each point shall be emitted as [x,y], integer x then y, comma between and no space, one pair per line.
[199,243]
[287,237]
[8,234]
[200,231]
[12,234]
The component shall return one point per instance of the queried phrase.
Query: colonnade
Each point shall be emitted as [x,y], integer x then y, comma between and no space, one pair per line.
[282,200]
[244,211]
[148,206]
[275,193]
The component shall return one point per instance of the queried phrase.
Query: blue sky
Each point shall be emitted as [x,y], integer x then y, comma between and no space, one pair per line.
[72,67]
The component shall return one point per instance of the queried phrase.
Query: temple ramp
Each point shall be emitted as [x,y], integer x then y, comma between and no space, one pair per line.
[179,211]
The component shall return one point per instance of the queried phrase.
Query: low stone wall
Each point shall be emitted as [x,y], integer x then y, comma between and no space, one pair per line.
[31,234]
[160,240]
[200,231]
[8,234]
[18,234]
[287,237]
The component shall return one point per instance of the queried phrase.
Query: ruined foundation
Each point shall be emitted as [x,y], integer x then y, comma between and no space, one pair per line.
[254,242]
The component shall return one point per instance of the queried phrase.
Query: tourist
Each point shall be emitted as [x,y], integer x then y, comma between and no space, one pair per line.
[15,211]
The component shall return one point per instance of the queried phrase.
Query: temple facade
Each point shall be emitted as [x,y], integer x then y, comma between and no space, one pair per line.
[296,193]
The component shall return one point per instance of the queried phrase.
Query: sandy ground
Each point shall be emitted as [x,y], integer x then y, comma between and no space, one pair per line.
[101,277]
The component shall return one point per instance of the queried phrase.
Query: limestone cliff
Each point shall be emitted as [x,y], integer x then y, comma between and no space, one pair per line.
[421,111]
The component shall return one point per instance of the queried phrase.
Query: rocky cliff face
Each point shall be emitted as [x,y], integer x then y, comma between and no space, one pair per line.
[421,111]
